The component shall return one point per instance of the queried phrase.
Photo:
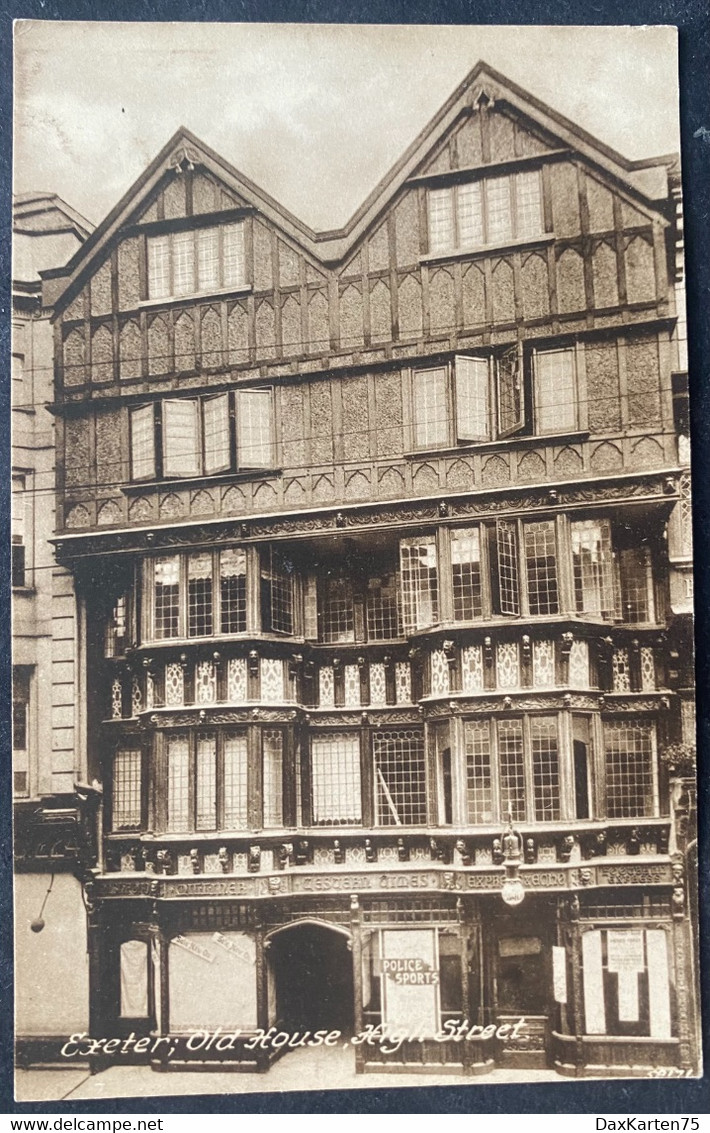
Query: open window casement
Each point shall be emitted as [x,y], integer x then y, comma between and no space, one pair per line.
[511,401]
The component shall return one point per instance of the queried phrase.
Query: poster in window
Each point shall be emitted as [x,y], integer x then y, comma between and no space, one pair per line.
[410,980]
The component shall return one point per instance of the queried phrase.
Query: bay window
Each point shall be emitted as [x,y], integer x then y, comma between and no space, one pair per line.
[180,438]
[209,778]
[489,210]
[277,593]
[196,595]
[466,573]
[196,261]
[512,768]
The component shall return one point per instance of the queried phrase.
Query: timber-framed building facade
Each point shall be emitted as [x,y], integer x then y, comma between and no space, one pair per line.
[379,539]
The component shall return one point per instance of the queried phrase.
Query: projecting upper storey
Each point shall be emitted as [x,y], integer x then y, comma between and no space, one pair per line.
[508,281]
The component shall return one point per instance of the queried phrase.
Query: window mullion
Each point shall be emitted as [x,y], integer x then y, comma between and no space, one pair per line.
[443,555]
[497,807]
[523,592]
[457,747]
[528,770]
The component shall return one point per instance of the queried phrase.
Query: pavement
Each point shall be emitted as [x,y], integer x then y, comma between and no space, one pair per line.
[324,1068]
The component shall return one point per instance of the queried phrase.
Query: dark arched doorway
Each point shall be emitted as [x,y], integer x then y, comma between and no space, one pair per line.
[313,978]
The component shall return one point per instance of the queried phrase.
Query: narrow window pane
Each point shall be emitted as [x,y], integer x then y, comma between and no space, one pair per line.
[420,583]
[335,779]
[178,784]
[180,438]
[143,443]
[233,270]
[158,267]
[166,597]
[126,789]
[206,783]
[499,213]
[235,782]
[555,392]
[511,408]
[233,590]
[593,568]
[199,595]
[276,594]
[183,247]
[273,777]
[541,567]
[441,220]
[473,421]
[337,612]
[400,778]
[215,411]
[630,788]
[546,768]
[254,429]
[466,574]
[507,554]
[470,214]
[479,789]
[430,409]
[636,585]
[512,770]
[381,606]
[528,204]
[207,259]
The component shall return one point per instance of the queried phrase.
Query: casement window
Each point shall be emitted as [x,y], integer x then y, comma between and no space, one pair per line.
[524,572]
[466,573]
[19,562]
[555,391]
[117,628]
[477,398]
[512,768]
[419,582]
[336,797]
[400,778]
[336,613]
[198,261]
[636,584]
[189,437]
[631,777]
[277,593]
[540,556]
[200,594]
[208,777]
[127,790]
[491,210]
[593,568]
[381,608]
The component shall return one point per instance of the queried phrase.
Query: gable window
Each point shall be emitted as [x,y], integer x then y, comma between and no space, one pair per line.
[193,262]
[198,594]
[191,437]
[491,210]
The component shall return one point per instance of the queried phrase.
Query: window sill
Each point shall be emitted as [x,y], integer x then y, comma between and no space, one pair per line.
[202,480]
[480,250]
[195,296]
[24,591]
[502,444]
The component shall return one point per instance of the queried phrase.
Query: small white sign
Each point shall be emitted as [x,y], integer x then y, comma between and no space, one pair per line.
[559,973]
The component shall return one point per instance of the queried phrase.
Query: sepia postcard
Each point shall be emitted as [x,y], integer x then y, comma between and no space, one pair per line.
[352,583]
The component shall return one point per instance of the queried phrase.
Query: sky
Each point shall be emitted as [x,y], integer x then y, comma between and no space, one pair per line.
[315,114]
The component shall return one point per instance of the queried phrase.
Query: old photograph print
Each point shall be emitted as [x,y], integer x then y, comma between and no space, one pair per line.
[353,709]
